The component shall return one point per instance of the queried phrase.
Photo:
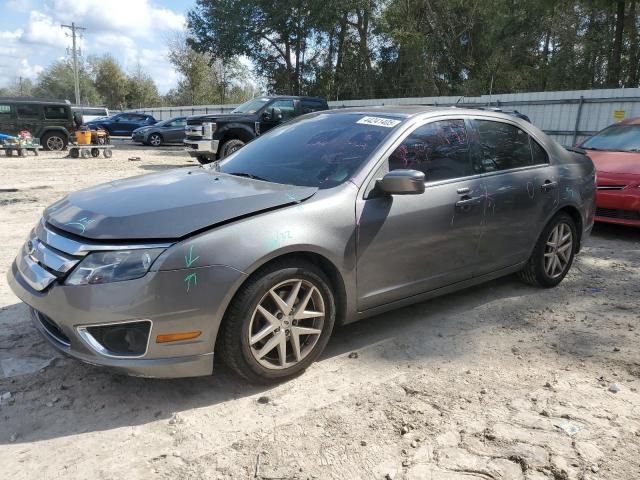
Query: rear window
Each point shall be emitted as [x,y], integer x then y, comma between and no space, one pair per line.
[28,111]
[309,106]
[55,113]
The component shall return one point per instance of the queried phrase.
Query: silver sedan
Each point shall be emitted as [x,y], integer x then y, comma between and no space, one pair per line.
[328,219]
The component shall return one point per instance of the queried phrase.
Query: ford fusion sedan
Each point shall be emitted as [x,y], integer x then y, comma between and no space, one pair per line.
[166,131]
[327,219]
[616,154]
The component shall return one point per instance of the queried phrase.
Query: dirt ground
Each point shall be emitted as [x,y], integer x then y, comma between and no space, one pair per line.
[501,381]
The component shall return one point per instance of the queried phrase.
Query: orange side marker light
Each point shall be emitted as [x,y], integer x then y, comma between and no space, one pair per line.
[176,337]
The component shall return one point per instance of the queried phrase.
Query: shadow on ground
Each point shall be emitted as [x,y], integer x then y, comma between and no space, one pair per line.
[97,400]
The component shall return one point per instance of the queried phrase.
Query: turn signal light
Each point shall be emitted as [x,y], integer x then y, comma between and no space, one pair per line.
[176,337]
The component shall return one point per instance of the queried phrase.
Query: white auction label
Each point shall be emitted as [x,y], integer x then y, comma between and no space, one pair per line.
[379,122]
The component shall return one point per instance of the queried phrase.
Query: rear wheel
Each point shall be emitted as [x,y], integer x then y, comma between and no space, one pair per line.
[231,146]
[553,255]
[278,323]
[54,141]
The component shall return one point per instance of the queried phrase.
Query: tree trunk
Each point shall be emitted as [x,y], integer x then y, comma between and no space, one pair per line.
[613,74]
[632,67]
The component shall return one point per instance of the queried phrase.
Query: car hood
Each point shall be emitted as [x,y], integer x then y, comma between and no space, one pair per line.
[167,205]
[616,162]
[229,117]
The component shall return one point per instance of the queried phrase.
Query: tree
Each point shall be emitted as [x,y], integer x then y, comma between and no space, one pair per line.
[141,90]
[57,82]
[110,81]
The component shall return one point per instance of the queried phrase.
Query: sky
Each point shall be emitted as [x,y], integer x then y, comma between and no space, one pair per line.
[133,31]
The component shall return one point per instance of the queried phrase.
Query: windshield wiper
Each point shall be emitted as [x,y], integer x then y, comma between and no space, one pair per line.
[247,175]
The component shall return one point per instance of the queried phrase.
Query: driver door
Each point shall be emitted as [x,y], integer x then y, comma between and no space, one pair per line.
[287,107]
[410,244]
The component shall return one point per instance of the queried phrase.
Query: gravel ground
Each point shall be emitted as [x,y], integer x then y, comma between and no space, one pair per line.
[501,381]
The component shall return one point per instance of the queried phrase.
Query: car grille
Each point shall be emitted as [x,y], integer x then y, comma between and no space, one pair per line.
[617,214]
[46,257]
[51,328]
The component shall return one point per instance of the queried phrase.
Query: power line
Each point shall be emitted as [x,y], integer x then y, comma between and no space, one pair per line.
[76,77]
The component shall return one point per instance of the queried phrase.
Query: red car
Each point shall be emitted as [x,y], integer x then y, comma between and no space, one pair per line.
[615,151]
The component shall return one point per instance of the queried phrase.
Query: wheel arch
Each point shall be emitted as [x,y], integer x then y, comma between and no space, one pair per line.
[322,262]
[575,214]
[239,132]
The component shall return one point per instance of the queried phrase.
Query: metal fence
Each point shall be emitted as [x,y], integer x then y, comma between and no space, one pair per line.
[568,117]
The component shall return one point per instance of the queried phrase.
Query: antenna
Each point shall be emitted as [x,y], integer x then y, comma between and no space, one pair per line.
[75,29]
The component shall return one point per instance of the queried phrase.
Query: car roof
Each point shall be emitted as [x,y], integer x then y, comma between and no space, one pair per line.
[629,121]
[410,111]
[48,101]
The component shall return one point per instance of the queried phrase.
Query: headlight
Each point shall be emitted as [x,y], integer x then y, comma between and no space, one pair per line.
[105,267]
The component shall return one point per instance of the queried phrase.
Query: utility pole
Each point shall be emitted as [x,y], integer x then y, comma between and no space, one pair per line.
[76,77]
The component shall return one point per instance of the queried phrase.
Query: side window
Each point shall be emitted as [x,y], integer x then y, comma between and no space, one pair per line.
[5,110]
[28,111]
[309,106]
[538,153]
[502,146]
[286,107]
[439,149]
[181,122]
[55,113]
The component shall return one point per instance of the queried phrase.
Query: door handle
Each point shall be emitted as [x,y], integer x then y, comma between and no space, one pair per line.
[548,185]
[463,190]
[468,202]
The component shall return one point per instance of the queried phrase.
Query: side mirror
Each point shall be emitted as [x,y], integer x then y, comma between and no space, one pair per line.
[273,113]
[402,182]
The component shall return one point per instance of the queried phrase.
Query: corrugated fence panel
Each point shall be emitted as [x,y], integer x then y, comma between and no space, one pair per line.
[554,112]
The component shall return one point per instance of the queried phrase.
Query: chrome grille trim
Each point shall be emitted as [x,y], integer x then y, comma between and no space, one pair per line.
[51,259]
[76,248]
[36,276]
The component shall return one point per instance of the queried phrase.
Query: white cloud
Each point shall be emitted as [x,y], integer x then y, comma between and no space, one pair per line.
[21,6]
[43,30]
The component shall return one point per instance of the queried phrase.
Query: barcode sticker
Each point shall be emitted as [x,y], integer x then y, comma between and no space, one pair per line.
[378,122]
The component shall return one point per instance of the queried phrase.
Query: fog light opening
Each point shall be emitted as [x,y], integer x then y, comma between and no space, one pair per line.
[128,339]
[177,336]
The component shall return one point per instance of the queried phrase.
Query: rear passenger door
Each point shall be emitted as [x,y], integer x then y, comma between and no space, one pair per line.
[29,117]
[521,191]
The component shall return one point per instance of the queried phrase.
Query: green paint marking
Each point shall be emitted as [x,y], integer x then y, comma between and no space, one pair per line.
[190,260]
[192,277]
[82,223]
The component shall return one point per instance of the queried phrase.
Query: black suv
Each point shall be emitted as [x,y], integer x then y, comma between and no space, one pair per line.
[212,137]
[51,121]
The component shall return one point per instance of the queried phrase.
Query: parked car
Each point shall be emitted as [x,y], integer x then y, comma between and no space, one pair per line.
[48,120]
[123,123]
[213,137]
[91,113]
[616,154]
[166,131]
[330,218]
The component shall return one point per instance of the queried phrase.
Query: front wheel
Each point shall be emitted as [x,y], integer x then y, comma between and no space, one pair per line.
[230,146]
[155,140]
[279,322]
[553,255]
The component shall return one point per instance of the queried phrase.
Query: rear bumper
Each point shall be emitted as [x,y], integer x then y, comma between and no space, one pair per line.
[201,147]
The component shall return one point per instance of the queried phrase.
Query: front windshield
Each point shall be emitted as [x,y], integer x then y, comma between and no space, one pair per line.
[321,151]
[252,106]
[622,138]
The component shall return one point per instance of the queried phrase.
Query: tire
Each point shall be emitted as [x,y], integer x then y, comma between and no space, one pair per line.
[243,319]
[95,152]
[231,146]
[542,270]
[155,140]
[54,141]
[85,153]
[108,153]
[203,160]
[74,152]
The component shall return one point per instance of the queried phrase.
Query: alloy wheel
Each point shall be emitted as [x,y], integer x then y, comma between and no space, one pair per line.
[155,140]
[286,324]
[557,253]
[55,143]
